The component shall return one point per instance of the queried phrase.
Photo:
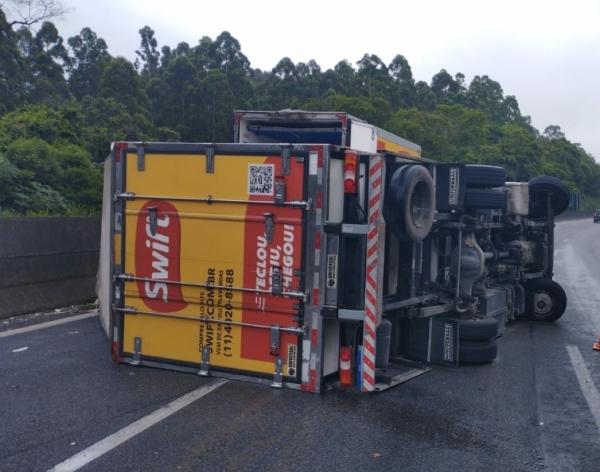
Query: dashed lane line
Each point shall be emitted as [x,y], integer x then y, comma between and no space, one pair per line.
[116,439]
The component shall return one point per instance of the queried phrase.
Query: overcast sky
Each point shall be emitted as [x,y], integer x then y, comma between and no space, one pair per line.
[546,53]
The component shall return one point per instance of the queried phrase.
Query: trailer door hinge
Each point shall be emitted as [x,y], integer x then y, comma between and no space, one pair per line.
[141,158]
[153,219]
[269,226]
[275,340]
[137,351]
[279,191]
[276,281]
[278,376]
[210,160]
[286,152]
[205,361]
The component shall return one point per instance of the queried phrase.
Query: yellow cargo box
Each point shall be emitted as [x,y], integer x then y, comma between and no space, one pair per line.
[208,253]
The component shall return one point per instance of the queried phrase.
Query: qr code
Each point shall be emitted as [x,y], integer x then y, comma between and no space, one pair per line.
[260,179]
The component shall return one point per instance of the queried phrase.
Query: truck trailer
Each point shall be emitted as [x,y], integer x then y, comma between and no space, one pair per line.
[317,250]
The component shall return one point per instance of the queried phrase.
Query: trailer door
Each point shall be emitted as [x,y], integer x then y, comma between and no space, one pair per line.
[211,261]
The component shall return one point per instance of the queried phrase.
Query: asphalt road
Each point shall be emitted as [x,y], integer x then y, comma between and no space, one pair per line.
[536,408]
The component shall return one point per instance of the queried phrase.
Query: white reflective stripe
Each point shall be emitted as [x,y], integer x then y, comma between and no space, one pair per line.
[313,163]
[306,349]
[305,367]
[345,365]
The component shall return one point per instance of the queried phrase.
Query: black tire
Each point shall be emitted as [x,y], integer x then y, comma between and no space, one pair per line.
[477,329]
[477,352]
[410,206]
[485,199]
[545,300]
[539,189]
[479,176]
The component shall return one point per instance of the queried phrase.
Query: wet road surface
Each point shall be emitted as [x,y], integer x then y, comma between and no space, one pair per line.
[535,408]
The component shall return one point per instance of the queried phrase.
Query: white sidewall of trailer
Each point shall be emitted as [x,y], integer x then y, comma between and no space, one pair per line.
[363,137]
[103,277]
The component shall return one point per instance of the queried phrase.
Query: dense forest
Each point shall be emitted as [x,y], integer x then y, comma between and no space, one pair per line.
[63,101]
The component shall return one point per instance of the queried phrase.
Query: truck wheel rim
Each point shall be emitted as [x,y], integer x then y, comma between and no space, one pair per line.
[543,303]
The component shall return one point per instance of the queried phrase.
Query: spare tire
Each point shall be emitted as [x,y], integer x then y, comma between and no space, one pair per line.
[410,204]
[480,176]
[539,189]
[477,352]
[485,199]
[477,329]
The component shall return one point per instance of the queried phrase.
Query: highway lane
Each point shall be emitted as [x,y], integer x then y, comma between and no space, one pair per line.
[528,411]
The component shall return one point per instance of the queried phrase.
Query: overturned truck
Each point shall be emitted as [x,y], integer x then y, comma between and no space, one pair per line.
[316,250]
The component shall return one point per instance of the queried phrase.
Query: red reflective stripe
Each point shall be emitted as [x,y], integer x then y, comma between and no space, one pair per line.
[319,199]
[370,280]
[343,119]
[115,352]
[376,183]
[369,362]
[375,167]
[373,217]
[317,240]
[374,201]
[370,348]
[372,251]
[314,336]
[119,148]
[312,376]
[315,296]
[371,298]
[369,331]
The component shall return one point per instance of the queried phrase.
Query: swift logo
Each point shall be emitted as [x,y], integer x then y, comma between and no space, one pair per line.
[157,255]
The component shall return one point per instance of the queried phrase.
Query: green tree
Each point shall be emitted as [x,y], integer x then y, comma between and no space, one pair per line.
[45,56]
[404,92]
[120,81]
[13,71]
[148,52]
[374,76]
[85,65]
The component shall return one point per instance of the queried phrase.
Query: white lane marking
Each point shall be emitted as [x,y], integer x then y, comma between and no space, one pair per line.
[590,392]
[21,349]
[48,324]
[581,283]
[116,439]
